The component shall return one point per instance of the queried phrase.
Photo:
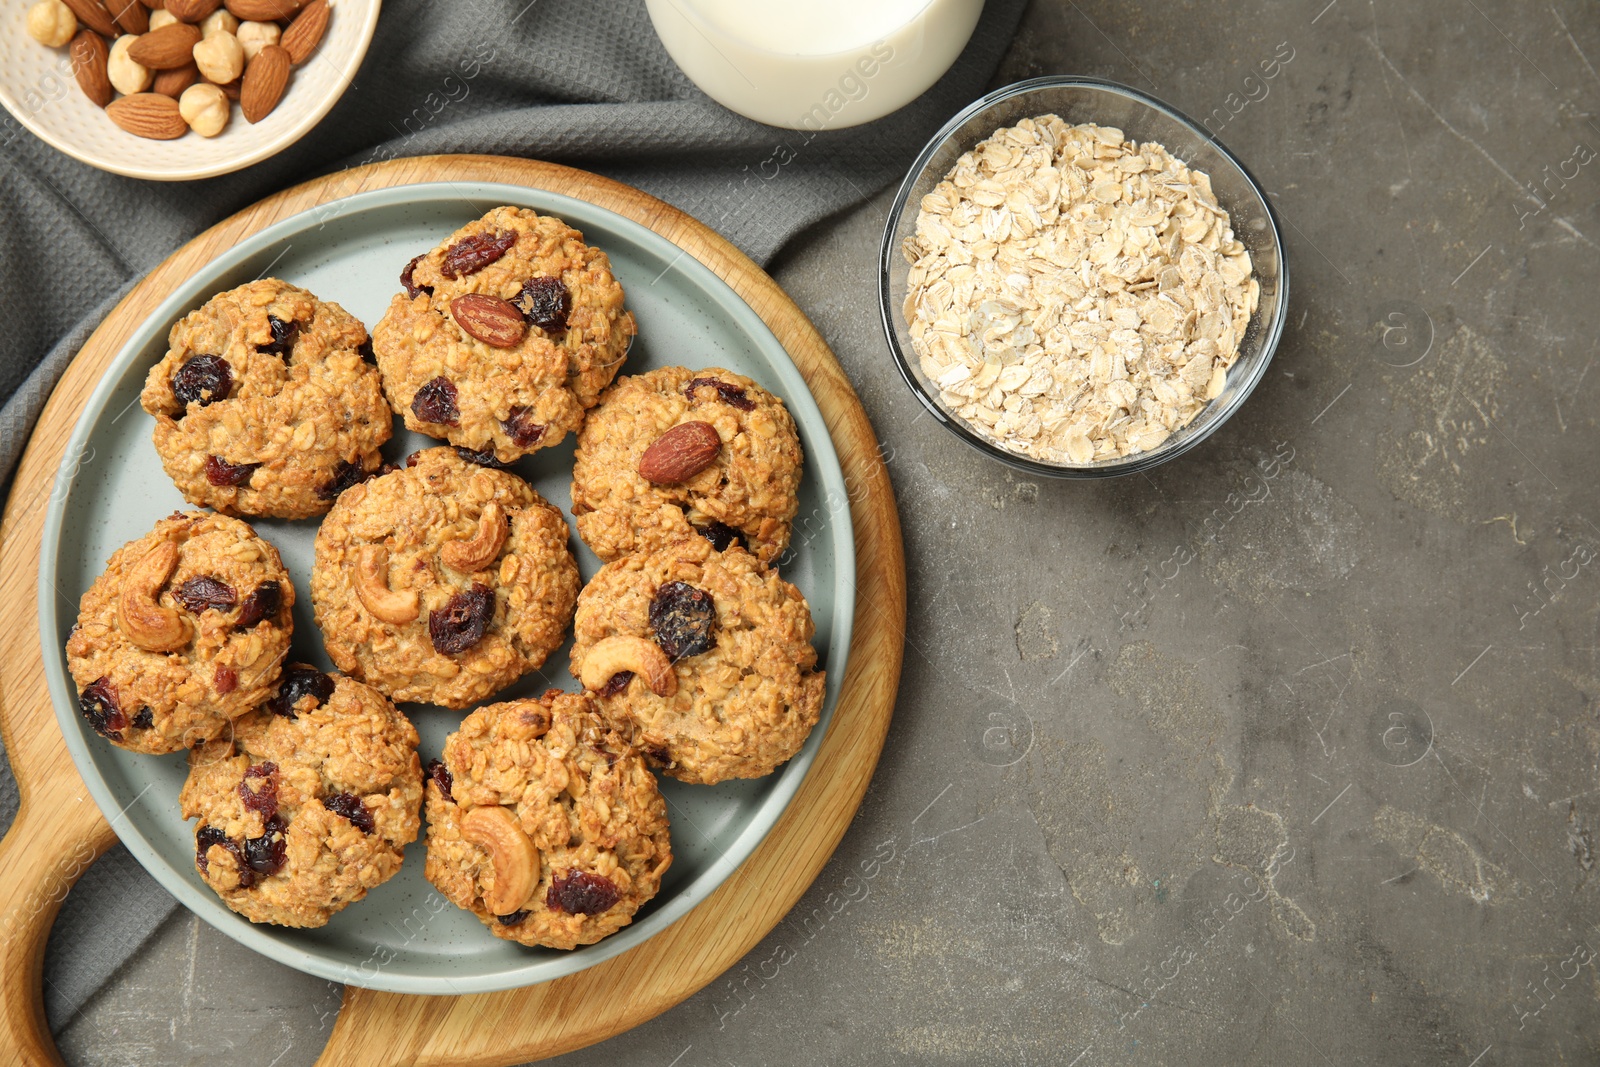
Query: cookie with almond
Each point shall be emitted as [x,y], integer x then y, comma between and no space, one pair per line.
[505,335]
[676,452]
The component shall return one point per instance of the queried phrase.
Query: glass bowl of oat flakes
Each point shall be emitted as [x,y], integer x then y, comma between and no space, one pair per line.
[1079,280]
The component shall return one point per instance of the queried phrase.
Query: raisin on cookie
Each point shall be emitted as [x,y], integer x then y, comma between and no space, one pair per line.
[702,658]
[444,581]
[183,631]
[309,804]
[675,452]
[505,335]
[544,823]
[266,403]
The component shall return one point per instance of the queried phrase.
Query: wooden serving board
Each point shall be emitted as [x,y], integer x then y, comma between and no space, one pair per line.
[59,831]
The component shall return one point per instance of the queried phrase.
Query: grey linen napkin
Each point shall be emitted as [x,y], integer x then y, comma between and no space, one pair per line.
[583,82]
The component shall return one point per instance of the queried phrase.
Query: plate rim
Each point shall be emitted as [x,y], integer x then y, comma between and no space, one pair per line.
[265,938]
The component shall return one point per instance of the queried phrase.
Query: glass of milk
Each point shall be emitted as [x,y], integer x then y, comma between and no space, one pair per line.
[814,64]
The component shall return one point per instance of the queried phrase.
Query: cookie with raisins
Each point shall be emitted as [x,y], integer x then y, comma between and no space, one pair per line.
[635,489]
[267,403]
[504,336]
[544,823]
[444,581]
[702,658]
[184,631]
[308,803]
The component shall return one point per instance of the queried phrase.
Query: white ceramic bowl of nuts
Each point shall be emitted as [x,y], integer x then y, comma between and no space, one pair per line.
[1080,281]
[173,90]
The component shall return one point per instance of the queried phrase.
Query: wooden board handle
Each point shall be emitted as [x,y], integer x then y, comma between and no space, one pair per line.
[58,833]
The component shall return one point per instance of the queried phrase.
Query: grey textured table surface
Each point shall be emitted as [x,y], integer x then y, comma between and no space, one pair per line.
[1324,792]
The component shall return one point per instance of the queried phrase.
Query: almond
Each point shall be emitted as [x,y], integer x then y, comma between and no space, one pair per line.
[264,82]
[89,53]
[488,318]
[170,46]
[173,82]
[93,14]
[191,10]
[305,32]
[131,15]
[680,453]
[262,10]
[233,89]
[148,115]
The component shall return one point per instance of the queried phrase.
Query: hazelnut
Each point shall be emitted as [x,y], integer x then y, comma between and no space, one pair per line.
[219,21]
[205,108]
[220,57]
[52,23]
[257,35]
[126,76]
[161,17]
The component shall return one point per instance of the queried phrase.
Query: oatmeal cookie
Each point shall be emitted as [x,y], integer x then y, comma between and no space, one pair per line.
[544,823]
[266,403]
[626,495]
[309,804]
[444,581]
[183,631]
[505,335]
[703,658]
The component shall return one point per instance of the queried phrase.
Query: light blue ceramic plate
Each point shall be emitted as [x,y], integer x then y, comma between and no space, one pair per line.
[404,936]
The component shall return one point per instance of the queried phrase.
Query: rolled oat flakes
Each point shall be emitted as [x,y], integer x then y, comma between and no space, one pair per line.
[1075,296]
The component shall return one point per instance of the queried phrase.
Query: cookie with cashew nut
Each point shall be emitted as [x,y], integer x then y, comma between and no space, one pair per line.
[544,823]
[702,658]
[267,403]
[505,335]
[185,630]
[675,452]
[307,803]
[444,581]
